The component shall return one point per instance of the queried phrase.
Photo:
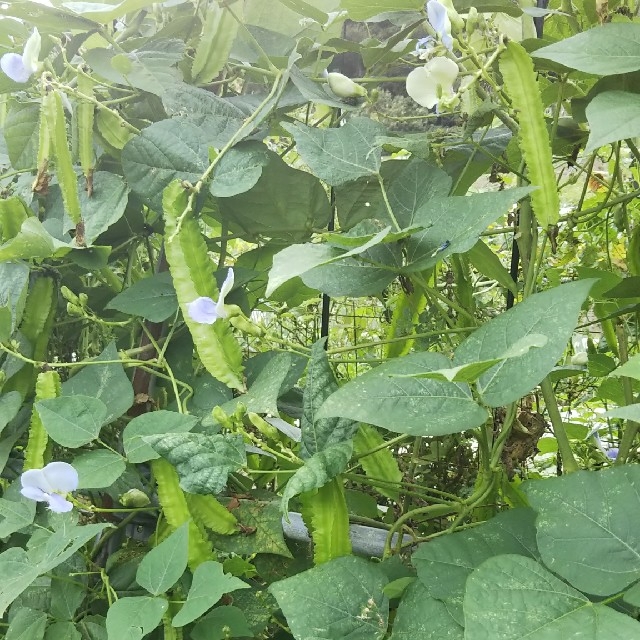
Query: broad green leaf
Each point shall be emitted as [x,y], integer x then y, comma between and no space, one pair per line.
[339,155]
[209,584]
[14,281]
[104,11]
[489,264]
[165,151]
[318,434]
[285,204]
[62,629]
[98,469]
[27,624]
[608,49]
[222,623]
[443,568]
[203,462]
[21,135]
[264,519]
[17,574]
[152,298]
[552,313]
[360,10]
[630,369]
[162,567]
[67,595]
[240,169]
[307,10]
[628,412]
[10,404]
[297,259]
[32,241]
[216,119]
[72,421]
[319,469]
[613,116]
[13,212]
[586,527]
[453,225]
[15,515]
[339,599]
[407,405]
[148,424]
[422,616]
[107,382]
[511,597]
[133,618]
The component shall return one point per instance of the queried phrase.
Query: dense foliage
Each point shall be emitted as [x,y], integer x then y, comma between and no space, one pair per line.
[319,319]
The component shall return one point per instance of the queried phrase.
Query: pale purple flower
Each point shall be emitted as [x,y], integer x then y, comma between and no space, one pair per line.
[50,484]
[424,45]
[21,67]
[205,310]
[439,20]
[612,453]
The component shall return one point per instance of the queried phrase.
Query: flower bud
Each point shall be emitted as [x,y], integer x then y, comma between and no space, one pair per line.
[580,359]
[345,87]
[134,498]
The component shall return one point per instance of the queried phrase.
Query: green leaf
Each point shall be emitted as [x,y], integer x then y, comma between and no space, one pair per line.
[222,623]
[512,597]
[285,204]
[21,130]
[209,584]
[163,566]
[10,404]
[16,515]
[339,155]
[67,595]
[240,169]
[489,264]
[628,412]
[319,469]
[339,599]
[63,543]
[203,462]
[106,382]
[72,421]
[163,152]
[443,568]
[552,313]
[133,618]
[32,241]
[14,283]
[152,298]
[613,116]
[104,11]
[630,369]
[586,527]
[407,405]
[422,616]
[17,574]
[27,624]
[216,119]
[156,422]
[605,50]
[458,221]
[318,434]
[98,469]
[62,629]
[360,10]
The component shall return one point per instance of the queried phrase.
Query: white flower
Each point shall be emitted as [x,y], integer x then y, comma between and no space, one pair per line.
[205,310]
[21,67]
[429,84]
[439,19]
[50,484]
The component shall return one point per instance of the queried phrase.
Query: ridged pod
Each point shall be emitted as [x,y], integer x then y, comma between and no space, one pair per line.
[48,385]
[64,164]
[176,511]
[192,273]
[218,33]
[520,83]
[37,324]
[381,465]
[41,182]
[633,252]
[405,316]
[85,111]
[209,513]
[112,129]
[326,515]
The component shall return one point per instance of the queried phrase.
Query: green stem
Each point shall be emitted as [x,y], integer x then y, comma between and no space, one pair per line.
[564,446]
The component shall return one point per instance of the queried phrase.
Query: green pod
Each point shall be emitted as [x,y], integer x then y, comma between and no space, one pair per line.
[633,252]
[212,52]
[64,164]
[521,85]
[48,385]
[112,130]
[176,510]
[37,324]
[326,515]
[266,429]
[464,288]
[47,108]
[192,273]
[85,112]
[381,465]
[405,316]
[13,212]
[209,513]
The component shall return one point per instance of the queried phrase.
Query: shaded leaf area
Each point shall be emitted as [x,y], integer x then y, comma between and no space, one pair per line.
[134,617]
[417,406]
[318,434]
[552,313]
[339,599]
[510,597]
[317,470]
[261,529]
[587,529]
[613,116]
[240,169]
[444,564]
[152,298]
[203,462]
